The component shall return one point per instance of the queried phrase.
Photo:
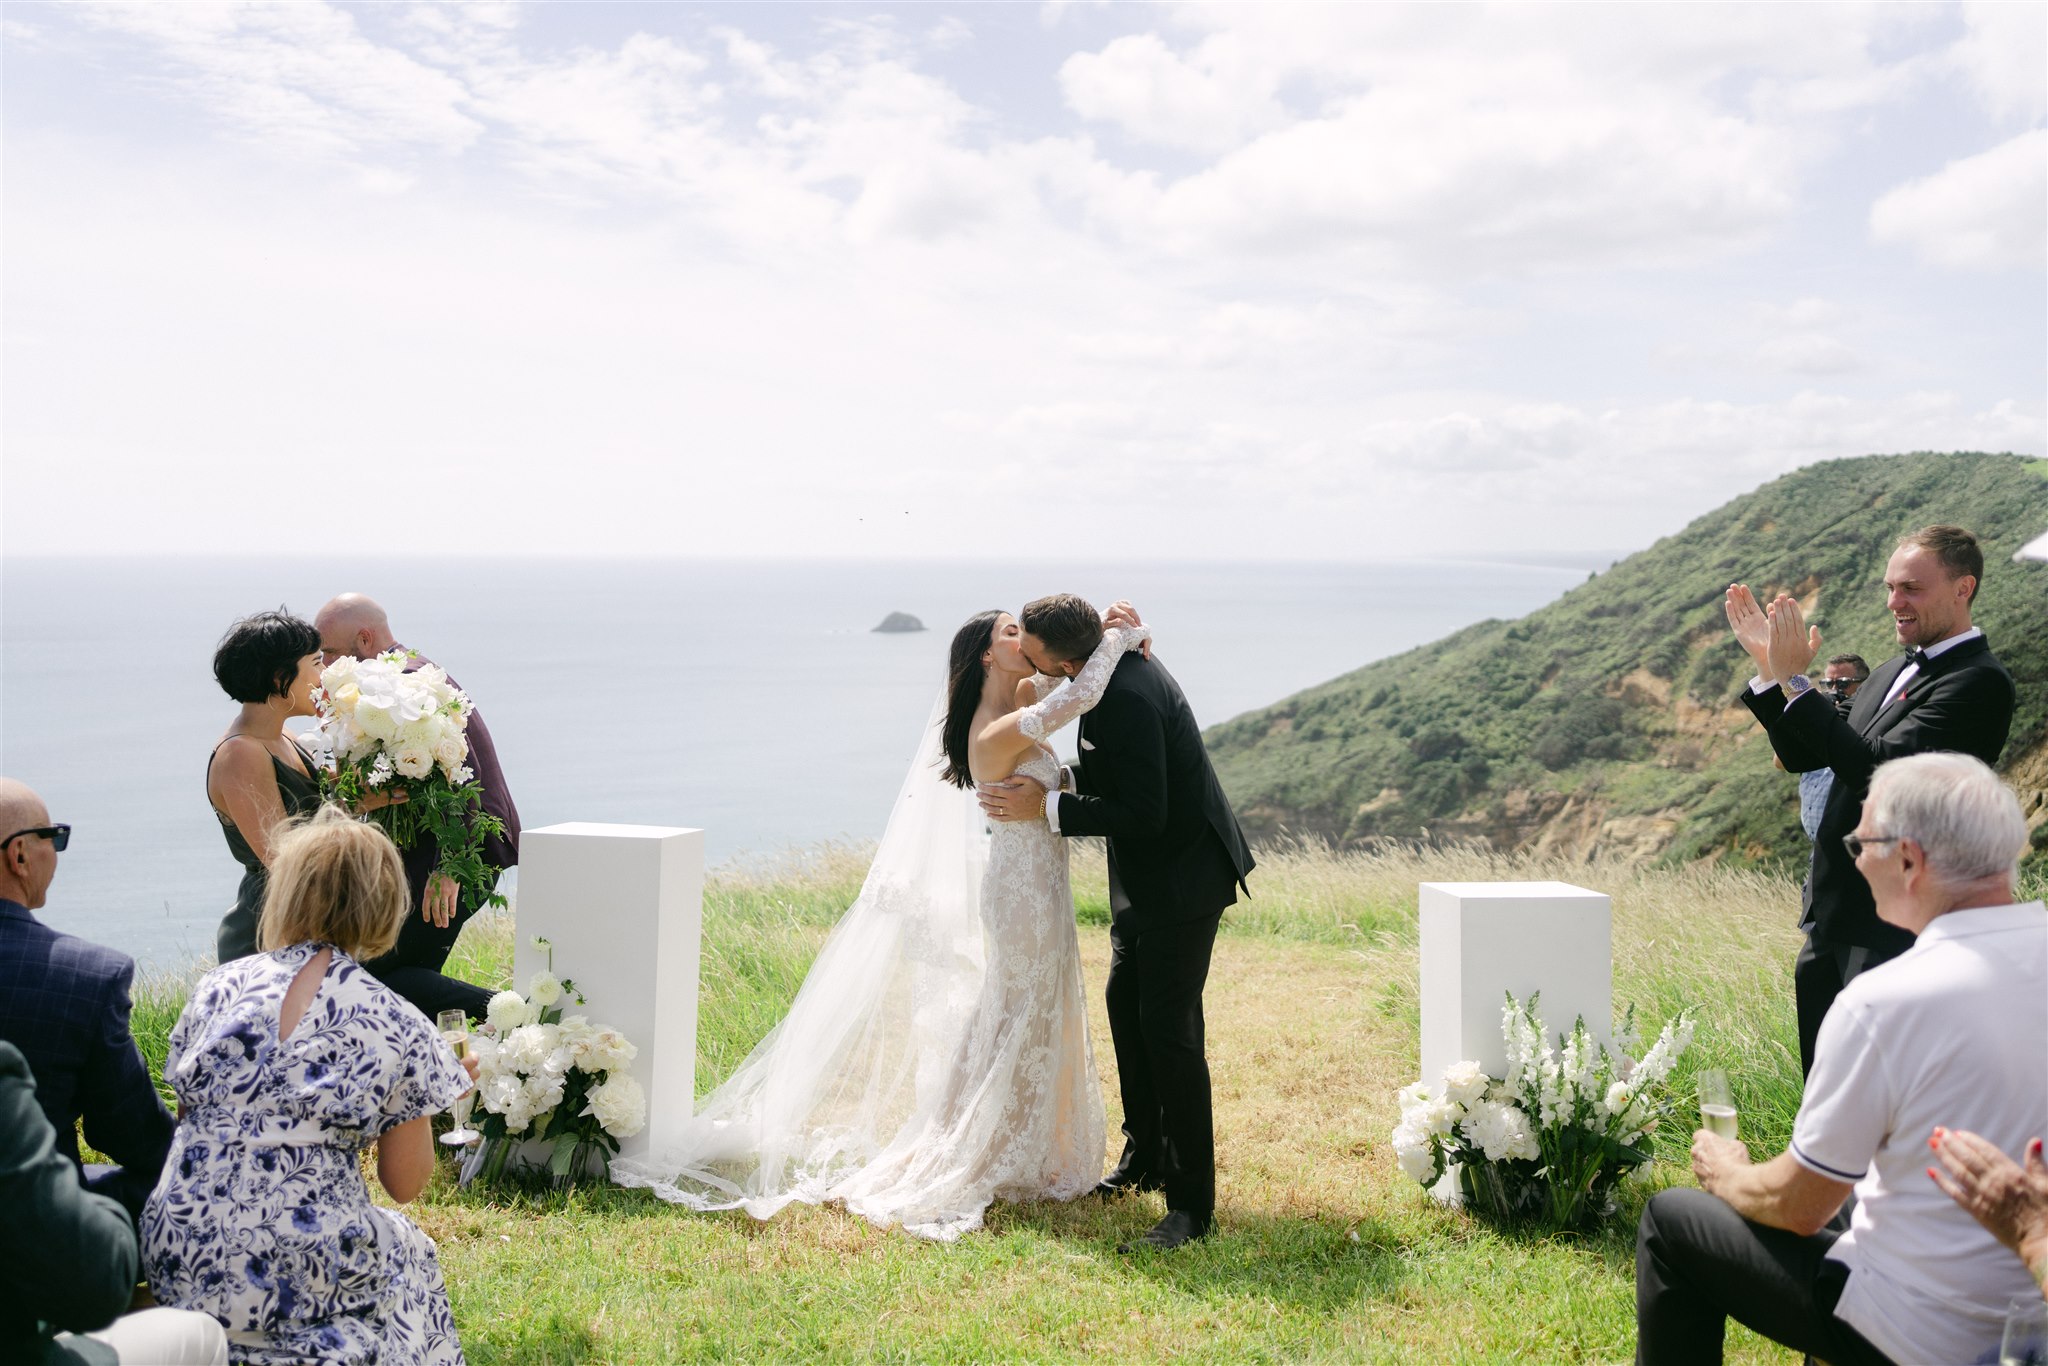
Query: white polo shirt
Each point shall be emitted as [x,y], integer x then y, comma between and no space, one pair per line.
[1953,1032]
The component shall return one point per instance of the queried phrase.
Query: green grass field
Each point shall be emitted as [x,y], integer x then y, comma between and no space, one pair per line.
[1323,1250]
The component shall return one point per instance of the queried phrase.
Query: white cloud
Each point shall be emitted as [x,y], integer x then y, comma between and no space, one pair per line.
[1985,212]
[2003,56]
[1209,101]
[300,76]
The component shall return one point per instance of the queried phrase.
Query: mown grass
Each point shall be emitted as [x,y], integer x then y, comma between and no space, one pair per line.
[1323,1250]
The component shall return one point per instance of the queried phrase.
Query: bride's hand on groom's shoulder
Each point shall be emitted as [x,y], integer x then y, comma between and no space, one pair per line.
[1120,615]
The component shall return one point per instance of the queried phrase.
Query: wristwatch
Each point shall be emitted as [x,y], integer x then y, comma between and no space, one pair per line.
[1795,687]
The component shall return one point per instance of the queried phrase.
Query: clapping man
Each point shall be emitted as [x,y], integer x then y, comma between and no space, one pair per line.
[353,625]
[64,1004]
[1946,692]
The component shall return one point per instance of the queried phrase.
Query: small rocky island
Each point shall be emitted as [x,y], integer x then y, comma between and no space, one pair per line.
[898,622]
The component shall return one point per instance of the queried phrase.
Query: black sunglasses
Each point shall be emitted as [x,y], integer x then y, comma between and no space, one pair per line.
[1856,844]
[1839,684]
[58,835]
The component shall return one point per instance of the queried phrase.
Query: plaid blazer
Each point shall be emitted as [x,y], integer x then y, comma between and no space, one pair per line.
[64,1004]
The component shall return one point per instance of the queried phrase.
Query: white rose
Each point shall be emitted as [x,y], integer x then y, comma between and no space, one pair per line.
[544,989]
[412,761]
[449,752]
[619,1105]
[506,1012]
[1465,1082]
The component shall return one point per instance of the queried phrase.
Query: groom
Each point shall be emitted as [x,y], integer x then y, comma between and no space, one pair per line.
[1176,859]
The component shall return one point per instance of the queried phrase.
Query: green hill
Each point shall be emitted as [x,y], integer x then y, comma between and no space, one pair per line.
[1609,721]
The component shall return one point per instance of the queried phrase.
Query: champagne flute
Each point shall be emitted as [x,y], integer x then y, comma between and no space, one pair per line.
[1717,1103]
[2026,1332]
[454,1027]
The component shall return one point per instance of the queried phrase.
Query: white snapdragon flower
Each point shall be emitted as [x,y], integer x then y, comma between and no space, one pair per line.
[544,989]
[1465,1082]
[506,1012]
[620,1105]
[1619,1098]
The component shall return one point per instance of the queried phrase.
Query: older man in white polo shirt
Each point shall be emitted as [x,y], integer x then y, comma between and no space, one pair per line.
[1952,1032]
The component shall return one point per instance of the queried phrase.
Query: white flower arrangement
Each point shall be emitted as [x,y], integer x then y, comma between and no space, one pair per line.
[1548,1141]
[553,1077]
[404,734]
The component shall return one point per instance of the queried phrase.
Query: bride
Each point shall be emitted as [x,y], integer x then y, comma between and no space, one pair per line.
[936,1057]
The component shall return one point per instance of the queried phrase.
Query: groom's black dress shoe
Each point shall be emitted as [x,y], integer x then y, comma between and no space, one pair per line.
[1114,1185]
[1179,1226]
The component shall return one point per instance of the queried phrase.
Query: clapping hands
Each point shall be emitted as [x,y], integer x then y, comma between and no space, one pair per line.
[1778,639]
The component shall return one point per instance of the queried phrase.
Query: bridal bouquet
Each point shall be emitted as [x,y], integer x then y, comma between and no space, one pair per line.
[553,1078]
[394,732]
[1546,1143]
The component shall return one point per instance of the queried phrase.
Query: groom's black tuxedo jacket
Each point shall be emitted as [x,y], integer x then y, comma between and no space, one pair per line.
[1143,779]
[1961,701]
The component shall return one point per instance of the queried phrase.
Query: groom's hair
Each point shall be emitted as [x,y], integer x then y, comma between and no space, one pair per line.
[1065,624]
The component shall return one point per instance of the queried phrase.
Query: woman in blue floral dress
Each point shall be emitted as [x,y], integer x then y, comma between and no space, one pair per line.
[287,1064]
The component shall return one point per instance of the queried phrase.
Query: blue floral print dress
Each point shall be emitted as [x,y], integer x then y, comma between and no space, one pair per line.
[262,1217]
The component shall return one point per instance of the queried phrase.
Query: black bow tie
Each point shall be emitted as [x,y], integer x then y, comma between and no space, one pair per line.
[1916,656]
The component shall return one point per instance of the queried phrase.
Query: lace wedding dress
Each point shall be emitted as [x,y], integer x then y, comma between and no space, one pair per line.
[936,1058]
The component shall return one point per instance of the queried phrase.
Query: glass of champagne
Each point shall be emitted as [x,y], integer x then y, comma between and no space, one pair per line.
[1717,1103]
[2026,1332]
[454,1027]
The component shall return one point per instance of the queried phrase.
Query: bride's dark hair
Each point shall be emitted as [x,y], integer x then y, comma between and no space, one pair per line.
[965,674]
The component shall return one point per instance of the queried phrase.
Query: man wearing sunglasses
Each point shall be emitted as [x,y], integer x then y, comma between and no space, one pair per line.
[1844,676]
[64,1004]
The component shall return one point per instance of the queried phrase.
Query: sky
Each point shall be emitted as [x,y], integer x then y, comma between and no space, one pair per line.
[1207,281]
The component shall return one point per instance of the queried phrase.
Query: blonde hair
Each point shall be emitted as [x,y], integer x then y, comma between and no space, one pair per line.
[333,880]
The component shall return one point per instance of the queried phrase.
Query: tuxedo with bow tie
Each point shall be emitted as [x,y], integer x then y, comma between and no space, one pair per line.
[1958,699]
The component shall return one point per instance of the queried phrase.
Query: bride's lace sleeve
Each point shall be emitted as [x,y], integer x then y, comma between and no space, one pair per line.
[1081,692]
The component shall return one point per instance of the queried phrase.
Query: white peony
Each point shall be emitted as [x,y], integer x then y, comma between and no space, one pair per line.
[1415,1152]
[619,1105]
[544,989]
[1465,1082]
[506,1012]
[609,1051]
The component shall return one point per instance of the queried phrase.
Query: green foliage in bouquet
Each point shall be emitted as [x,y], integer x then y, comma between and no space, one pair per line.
[451,815]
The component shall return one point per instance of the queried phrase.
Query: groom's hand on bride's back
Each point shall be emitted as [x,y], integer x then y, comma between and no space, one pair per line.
[1013,799]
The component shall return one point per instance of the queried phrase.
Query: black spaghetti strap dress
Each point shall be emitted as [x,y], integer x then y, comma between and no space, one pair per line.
[299,790]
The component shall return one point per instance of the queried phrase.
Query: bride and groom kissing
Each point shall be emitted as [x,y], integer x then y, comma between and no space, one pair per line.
[936,1058]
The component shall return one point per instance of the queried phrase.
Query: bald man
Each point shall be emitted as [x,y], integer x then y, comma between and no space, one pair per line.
[64,1004]
[354,625]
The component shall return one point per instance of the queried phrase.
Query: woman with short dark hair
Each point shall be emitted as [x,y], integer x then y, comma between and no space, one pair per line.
[288,1064]
[258,777]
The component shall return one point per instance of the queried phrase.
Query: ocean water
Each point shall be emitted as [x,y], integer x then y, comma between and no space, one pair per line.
[752,699]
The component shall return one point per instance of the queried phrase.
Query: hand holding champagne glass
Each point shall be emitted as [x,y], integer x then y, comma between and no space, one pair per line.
[1717,1103]
[454,1028]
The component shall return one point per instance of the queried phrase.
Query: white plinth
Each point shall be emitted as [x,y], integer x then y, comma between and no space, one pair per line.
[623,906]
[1483,939]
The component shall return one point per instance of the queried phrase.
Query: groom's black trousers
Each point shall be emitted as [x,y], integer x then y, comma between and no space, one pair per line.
[1155,1022]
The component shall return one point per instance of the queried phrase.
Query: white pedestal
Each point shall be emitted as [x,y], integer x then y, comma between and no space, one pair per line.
[623,906]
[1481,940]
